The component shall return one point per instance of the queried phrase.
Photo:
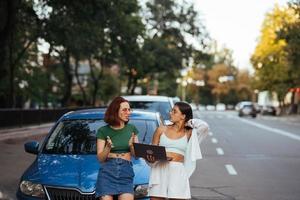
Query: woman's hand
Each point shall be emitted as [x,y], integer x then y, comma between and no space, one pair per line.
[133,139]
[189,123]
[109,143]
[150,158]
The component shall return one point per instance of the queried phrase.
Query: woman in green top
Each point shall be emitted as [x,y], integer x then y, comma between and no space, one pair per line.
[114,151]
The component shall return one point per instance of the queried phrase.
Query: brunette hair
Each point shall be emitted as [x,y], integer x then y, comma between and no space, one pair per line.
[185,109]
[112,112]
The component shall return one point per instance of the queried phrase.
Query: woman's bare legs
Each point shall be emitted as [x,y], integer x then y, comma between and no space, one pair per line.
[126,196]
[160,198]
[106,197]
[157,198]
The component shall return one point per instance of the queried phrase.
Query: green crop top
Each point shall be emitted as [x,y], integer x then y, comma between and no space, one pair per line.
[119,138]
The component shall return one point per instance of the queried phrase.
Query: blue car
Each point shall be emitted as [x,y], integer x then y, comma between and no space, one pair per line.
[66,165]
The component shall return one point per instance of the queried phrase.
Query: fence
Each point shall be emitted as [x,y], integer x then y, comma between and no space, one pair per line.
[20,117]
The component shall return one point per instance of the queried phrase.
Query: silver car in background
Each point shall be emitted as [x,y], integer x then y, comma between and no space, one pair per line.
[162,104]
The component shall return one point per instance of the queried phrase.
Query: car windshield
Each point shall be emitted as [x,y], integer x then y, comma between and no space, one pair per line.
[161,106]
[79,136]
[247,106]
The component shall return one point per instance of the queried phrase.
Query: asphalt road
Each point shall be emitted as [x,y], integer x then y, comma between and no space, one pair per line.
[14,161]
[248,159]
[244,159]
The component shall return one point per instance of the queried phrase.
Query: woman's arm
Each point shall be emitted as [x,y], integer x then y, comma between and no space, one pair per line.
[155,141]
[133,139]
[157,134]
[102,150]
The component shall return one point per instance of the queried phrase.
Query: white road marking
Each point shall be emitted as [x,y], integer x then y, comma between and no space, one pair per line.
[230,170]
[220,151]
[214,140]
[275,130]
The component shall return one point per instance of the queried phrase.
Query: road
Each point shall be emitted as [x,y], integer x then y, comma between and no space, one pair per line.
[244,159]
[14,161]
[248,159]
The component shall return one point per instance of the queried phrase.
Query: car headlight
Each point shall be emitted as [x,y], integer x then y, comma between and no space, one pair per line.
[32,189]
[141,191]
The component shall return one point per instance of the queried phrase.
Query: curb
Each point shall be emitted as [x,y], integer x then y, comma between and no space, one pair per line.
[25,132]
[3,196]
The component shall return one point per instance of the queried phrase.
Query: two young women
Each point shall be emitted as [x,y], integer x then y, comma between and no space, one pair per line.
[167,179]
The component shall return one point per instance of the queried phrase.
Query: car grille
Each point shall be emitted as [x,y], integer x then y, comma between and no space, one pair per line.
[54,193]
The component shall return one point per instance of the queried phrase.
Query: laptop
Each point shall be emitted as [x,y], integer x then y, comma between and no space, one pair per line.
[142,150]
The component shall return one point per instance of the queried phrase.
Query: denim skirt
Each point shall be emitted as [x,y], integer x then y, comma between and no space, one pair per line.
[115,177]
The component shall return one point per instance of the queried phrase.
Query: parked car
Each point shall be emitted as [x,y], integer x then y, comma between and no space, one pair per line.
[66,164]
[230,107]
[220,107]
[210,107]
[201,107]
[162,104]
[268,110]
[194,106]
[246,108]
[175,99]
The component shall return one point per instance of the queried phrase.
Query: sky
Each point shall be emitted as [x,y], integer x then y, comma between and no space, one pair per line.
[236,24]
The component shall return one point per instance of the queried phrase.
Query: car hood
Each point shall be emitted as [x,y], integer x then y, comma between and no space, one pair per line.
[75,171]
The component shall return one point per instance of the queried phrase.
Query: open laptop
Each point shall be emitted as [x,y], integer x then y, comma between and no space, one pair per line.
[142,150]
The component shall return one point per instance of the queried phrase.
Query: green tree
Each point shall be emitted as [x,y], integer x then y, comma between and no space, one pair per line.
[270,57]
[19,31]
[290,34]
[105,31]
[243,86]
[166,48]
[220,87]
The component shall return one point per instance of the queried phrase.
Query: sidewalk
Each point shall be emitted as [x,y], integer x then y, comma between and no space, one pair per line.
[295,119]
[25,131]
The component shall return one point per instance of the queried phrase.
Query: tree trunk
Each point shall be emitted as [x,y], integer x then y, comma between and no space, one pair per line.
[129,83]
[46,65]
[95,80]
[66,100]
[293,104]
[8,10]
[134,84]
[79,83]
[11,94]
[47,90]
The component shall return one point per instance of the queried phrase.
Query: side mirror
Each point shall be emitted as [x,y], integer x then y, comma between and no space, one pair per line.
[32,147]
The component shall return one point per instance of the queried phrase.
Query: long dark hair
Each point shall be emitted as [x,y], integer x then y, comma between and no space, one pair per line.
[186,110]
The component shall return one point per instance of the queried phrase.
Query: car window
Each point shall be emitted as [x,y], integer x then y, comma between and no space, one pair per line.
[79,136]
[74,137]
[162,107]
[146,129]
